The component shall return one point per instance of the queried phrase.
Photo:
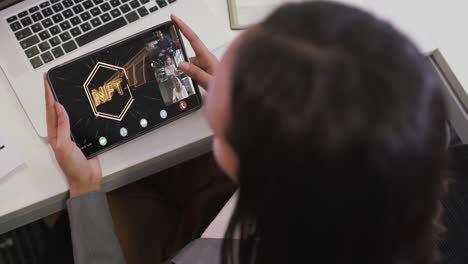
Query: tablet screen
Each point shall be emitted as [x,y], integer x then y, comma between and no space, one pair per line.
[126,89]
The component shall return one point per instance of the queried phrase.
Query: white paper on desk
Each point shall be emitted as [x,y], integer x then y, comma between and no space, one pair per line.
[253,11]
[250,12]
[9,158]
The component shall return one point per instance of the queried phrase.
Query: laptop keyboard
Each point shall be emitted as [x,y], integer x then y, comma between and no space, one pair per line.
[52,28]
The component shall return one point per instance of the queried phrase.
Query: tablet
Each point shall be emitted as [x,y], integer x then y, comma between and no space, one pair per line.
[126,89]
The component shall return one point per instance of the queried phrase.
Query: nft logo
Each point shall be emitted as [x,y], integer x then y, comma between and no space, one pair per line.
[108,91]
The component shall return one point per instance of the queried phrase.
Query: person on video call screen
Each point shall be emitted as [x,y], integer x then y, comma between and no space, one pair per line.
[166,54]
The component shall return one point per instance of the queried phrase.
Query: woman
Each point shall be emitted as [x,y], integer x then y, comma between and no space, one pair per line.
[178,92]
[333,125]
[170,68]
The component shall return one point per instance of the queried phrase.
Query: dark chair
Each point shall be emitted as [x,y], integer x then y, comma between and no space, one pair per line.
[453,244]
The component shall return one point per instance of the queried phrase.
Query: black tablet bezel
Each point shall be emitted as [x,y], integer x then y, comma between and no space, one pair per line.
[150,128]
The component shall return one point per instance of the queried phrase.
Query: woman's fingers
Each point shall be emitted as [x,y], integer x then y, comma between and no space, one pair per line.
[63,127]
[194,60]
[51,114]
[202,65]
[196,73]
[197,45]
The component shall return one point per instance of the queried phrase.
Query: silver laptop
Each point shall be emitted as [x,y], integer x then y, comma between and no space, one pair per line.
[38,35]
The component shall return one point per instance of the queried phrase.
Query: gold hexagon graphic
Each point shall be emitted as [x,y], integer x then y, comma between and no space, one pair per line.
[102,93]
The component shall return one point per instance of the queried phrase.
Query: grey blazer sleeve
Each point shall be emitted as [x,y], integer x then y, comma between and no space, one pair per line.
[200,251]
[92,230]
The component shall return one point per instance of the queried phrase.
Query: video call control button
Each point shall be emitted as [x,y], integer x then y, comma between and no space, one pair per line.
[143,123]
[183,105]
[103,141]
[123,132]
[163,114]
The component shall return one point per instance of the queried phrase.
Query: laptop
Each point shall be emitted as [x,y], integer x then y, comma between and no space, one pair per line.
[38,35]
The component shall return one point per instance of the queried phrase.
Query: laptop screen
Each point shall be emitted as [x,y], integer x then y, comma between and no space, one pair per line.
[6,3]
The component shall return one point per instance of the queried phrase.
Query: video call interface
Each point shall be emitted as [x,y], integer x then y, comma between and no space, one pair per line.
[125,90]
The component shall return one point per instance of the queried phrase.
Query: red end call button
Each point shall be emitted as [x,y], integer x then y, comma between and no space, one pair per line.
[183,105]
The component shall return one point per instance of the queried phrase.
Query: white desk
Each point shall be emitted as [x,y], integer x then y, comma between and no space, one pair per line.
[38,188]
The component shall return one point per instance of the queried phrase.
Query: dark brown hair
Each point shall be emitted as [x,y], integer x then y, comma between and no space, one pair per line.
[339,125]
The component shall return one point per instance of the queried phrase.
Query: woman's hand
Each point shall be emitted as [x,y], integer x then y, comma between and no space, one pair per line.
[83,175]
[201,67]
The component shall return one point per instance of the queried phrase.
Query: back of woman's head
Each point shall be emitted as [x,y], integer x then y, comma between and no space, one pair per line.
[339,125]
